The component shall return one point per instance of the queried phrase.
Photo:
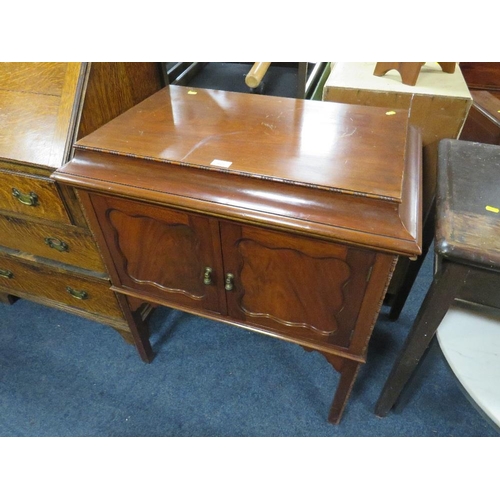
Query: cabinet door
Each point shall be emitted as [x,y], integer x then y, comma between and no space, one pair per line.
[164,254]
[298,287]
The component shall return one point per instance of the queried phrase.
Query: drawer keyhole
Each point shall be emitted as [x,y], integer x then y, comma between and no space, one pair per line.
[30,199]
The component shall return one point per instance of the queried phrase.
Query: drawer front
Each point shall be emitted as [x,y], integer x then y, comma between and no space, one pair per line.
[31,195]
[81,292]
[64,244]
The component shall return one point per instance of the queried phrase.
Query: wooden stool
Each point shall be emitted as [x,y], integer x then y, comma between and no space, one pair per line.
[409,71]
[467,246]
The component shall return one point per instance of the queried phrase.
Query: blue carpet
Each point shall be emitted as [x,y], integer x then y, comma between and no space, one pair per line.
[61,375]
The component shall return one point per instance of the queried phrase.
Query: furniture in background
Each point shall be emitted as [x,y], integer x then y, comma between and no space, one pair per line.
[467,246]
[409,71]
[438,106]
[483,122]
[301,80]
[469,339]
[47,252]
[482,76]
[283,216]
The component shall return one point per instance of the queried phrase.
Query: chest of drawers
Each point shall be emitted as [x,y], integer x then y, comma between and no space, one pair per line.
[47,251]
[282,216]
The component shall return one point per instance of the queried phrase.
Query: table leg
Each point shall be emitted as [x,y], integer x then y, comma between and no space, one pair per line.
[443,290]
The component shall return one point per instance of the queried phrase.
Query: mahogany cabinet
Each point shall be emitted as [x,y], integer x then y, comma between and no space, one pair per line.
[279,215]
[47,251]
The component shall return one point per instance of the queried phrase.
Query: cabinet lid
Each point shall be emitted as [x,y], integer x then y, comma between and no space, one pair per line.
[328,145]
[276,156]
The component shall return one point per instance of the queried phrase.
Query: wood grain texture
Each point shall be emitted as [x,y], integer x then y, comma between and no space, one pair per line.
[34,78]
[178,248]
[483,122]
[79,248]
[37,103]
[43,108]
[32,278]
[113,88]
[302,287]
[299,141]
[48,205]
[482,75]
[468,183]
[361,187]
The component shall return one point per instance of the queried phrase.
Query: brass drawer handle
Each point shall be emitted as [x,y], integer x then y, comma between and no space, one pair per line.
[30,199]
[229,283]
[5,273]
[207,276]
[77,294]
[57,244]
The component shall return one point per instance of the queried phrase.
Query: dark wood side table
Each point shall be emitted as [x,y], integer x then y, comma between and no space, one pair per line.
[468,249]
[283,216]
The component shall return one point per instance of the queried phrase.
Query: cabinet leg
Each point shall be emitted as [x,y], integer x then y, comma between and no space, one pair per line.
[348,373]
[444,288]
[138,328]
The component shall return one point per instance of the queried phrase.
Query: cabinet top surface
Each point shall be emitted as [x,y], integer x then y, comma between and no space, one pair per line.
[346,148]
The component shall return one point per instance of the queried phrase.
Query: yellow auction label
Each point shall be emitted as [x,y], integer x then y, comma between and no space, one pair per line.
[492,209]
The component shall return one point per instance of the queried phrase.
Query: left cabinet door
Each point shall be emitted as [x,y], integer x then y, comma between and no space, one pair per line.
[303,288]
[161,253]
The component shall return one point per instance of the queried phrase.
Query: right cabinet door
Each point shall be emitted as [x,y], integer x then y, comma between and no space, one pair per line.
[300,287]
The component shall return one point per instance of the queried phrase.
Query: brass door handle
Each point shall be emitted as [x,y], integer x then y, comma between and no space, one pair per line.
[57,244]
[30,199]
[77,294]
[207,276]
[5,273]
[229,282]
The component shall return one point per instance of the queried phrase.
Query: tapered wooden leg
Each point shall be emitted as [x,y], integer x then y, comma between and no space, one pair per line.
[138,328]
[448,67]
[444,288]
[348,373]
